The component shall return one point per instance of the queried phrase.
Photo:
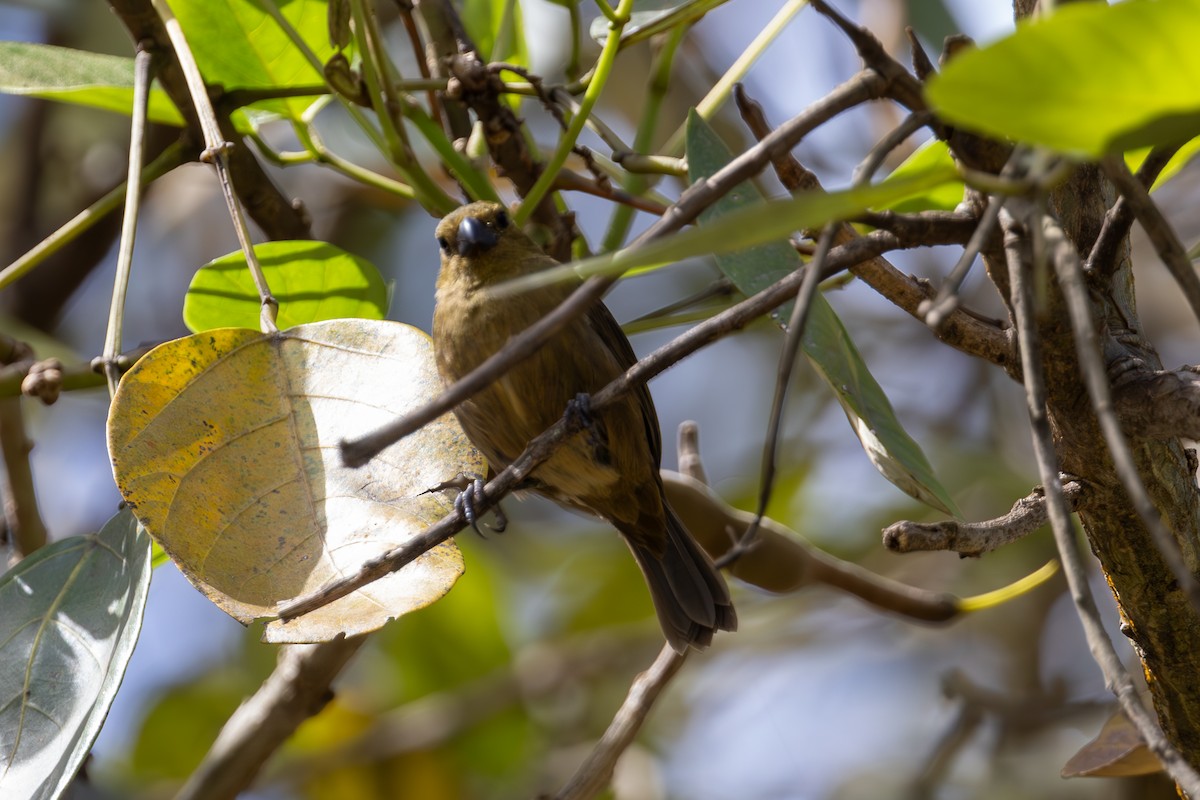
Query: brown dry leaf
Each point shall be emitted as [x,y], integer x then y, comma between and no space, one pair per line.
[1117,751]
[225,444]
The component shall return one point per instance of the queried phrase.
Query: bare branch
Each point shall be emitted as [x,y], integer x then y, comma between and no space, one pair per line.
[596,772]
[297,689]
[961,330]
[976,538]
[1117,221]
[1166,243]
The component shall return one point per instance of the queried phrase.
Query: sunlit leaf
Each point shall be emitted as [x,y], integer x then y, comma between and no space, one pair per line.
[825,342]
[239,46]
[225,444]
[1087,80]
[313,281]
[1134,159]
[78,77]
[72,613]
[934,154]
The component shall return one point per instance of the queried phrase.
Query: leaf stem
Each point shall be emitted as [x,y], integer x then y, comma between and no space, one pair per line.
[600,76]
[137,135]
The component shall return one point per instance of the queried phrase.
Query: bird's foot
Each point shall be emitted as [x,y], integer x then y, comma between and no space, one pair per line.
[470,496]
[579,415]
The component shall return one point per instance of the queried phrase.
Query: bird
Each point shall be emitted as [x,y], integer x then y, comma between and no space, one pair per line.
[609,468]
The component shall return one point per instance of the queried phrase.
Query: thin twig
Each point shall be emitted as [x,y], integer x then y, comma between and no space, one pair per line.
[783,379]
[1119,218]
[976,538]
[1116,678]
[137,135]
[170,158]
[596,772]
[1150,217]
[215,152]
[867,168]
[1091,363]
[936,311]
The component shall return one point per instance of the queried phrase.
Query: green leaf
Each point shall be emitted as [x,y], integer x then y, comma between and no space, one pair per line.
[825,342]
[239,46]
[652,17]
[497,29]
[1089,80]
[78,77]
[313,281]
[934,154]
[72,613]
[1134,159]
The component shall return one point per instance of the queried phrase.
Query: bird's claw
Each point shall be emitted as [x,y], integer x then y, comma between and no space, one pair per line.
[470,496]
[579,415]
[466,502]
[579,411]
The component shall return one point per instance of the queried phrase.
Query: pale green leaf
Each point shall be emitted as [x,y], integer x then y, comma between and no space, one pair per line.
[78,77]
[224,444]
[72,614]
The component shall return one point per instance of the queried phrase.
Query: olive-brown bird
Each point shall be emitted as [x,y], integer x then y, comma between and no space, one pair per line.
[611,467]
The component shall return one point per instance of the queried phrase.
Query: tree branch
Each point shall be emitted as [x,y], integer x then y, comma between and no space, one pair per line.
[1150,217]
[1116,678]
[976,538]
[1159,404]
[596,772]
[297,689]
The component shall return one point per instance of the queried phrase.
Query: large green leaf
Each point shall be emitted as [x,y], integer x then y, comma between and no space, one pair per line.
[1088,80]
[78,77]
[238,45]
[72,613]
[825,342]
[313,281]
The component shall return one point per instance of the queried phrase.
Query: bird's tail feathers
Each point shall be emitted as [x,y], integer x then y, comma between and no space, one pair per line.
[689,594]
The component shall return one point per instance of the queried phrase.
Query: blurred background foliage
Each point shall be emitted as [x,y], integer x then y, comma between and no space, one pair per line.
[498,690]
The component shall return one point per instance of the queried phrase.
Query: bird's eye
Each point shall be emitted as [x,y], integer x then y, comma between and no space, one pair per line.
[444,243]
[501,220]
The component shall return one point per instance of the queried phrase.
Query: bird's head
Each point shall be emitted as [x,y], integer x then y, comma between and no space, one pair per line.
[480,242]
